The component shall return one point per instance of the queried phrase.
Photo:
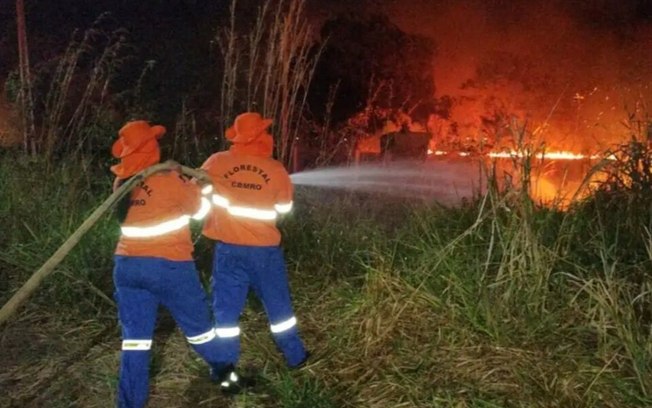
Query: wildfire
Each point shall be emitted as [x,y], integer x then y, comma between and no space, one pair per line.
[552,155]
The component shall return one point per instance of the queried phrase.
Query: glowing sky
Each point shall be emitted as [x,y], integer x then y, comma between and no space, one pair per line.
[582,66]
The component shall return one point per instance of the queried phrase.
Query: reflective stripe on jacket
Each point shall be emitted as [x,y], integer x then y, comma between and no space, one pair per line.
[250,193]
[157,223]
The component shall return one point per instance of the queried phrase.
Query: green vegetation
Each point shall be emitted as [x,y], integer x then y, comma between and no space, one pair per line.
[499,303]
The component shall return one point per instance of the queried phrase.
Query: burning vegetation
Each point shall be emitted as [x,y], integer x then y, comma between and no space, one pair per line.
[580,78]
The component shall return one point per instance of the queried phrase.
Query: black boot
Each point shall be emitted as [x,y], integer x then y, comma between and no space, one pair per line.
[228,380]
[301,363]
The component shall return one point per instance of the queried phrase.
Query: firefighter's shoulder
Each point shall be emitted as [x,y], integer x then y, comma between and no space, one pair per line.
[275,165]
[215,159]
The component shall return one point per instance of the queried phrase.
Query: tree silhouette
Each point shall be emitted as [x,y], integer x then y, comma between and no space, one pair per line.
[363,53]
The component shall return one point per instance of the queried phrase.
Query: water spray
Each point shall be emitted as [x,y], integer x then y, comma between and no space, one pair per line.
[442,181]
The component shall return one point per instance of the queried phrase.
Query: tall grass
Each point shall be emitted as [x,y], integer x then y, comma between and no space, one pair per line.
[402,304]
[269,68]
[72,90]
[186,146]
[40,207]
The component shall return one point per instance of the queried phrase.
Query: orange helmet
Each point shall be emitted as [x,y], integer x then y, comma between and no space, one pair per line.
[136,147]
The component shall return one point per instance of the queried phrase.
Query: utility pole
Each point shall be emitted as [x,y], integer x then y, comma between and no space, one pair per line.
[25,95]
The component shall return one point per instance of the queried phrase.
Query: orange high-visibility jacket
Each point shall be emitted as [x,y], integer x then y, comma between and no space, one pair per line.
[249,194]
[157,222]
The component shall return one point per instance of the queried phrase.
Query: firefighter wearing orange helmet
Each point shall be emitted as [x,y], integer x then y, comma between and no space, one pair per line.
[251,190]
[153,260]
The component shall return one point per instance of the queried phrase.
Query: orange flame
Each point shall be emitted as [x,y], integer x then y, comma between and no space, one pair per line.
[552,155]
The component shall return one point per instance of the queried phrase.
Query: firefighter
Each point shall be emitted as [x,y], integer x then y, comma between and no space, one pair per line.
[153,260]
[251,190]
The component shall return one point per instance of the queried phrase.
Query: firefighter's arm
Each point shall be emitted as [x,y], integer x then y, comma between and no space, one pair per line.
[192,195]
[198,198]
[284,196]
[204,177]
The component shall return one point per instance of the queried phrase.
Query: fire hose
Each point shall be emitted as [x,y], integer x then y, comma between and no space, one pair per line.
[22,294]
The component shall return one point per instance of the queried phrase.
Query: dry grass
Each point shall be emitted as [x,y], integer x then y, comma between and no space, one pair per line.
[74,98]
[384,344]
[269,68]
[48,361]
[471,307]
[388,347]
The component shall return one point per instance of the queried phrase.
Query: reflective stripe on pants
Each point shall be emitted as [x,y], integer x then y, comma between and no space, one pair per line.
[141,285]
[235,269]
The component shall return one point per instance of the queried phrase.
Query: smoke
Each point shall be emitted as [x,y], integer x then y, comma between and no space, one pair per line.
[580,68]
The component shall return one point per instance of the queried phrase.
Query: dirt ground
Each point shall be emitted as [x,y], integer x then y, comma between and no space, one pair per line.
[48,362]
